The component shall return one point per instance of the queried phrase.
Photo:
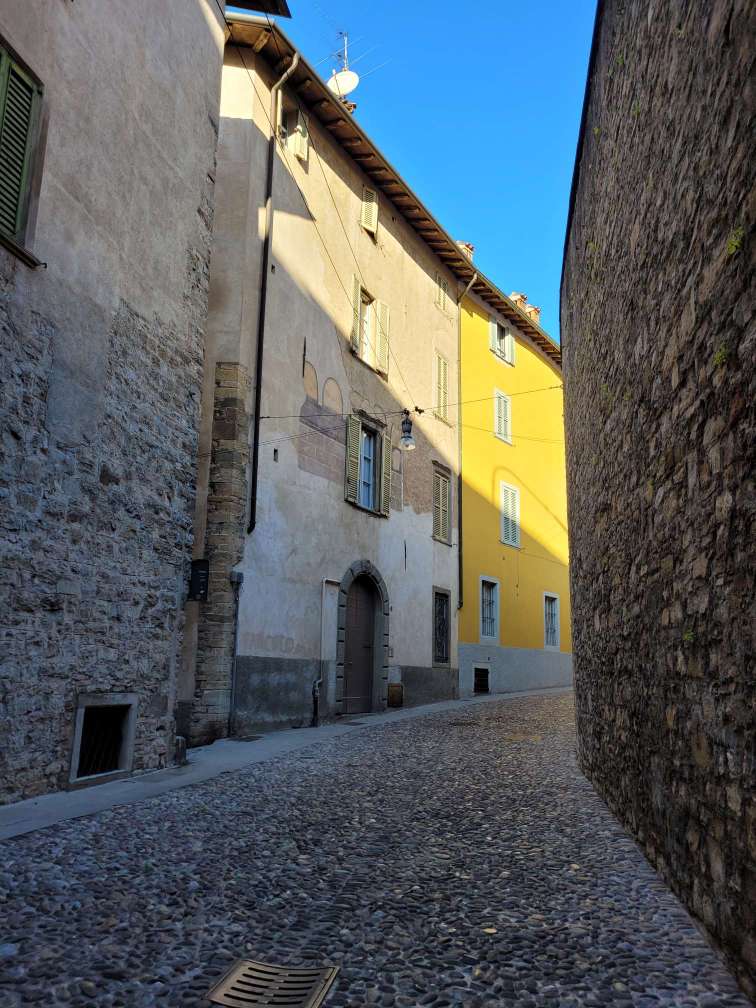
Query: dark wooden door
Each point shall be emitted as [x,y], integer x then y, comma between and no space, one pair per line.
[358,647]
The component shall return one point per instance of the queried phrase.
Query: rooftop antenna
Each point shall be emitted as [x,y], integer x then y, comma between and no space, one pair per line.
[342,82]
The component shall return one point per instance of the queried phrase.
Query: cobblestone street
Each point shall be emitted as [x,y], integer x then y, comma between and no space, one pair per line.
[457,858]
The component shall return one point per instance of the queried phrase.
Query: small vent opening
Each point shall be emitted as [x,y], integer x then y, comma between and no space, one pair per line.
[102,739]
[481,680]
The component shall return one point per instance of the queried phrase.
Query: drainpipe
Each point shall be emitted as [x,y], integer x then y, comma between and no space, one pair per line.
[319,681]
[275,94]
[460,299]
[237,579]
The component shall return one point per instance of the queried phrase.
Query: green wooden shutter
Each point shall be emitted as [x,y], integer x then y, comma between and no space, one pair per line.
[382,351]
[386,473]
[441,486]
[352,479]
[354,338]
[19,101]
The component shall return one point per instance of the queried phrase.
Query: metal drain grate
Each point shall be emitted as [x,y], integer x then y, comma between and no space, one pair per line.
[259,985]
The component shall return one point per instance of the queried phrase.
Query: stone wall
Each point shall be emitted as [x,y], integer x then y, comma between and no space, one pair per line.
[100,375]
[660,407]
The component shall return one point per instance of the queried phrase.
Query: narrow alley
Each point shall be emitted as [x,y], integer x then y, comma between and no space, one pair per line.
[453,858]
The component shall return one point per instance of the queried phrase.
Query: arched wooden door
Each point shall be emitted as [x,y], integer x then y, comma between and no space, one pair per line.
[359,646]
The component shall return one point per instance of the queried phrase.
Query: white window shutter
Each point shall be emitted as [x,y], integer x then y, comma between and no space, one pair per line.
[382,338]
[442,387]
[299,136]
[509,347]
[502,416]
[510,515]
[352,478]
[369,210]
[354,337]
[385,488]
[441,488]
[492,342]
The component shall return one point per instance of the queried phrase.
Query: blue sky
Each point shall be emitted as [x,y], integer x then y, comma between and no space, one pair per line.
[478,108]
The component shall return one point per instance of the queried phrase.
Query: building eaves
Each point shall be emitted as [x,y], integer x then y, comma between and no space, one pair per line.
[266,38]
[278,7]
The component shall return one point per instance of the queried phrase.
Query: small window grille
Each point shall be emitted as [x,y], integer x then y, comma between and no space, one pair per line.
[488,606]
[440,628]
[551,620]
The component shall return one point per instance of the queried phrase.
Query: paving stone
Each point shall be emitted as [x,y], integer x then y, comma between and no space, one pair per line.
[389,853]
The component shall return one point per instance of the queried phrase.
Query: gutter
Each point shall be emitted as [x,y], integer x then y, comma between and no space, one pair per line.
[460,566]
[579,150]
[275,94]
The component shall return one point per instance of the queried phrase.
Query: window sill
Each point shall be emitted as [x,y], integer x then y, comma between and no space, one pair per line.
[366,510]
[501,357]
[443,419]
[511,545]
[21,253]
[367,364]
[442,542]
[488,640]
[506,440]
[552,647]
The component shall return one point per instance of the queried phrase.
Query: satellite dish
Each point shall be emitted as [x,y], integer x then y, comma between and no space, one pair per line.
[342,83]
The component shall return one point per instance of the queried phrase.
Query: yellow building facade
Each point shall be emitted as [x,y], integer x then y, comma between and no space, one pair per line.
[514,626]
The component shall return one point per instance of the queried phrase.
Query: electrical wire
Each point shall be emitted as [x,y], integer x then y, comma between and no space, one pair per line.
[427,409]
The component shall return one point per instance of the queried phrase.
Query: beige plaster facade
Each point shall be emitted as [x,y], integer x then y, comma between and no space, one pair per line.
[309,542]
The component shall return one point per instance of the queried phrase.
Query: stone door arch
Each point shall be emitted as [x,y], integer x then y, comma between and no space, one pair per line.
[364,569]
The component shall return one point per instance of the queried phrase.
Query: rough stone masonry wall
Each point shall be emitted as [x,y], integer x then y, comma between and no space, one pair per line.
[96,536]
[660,408]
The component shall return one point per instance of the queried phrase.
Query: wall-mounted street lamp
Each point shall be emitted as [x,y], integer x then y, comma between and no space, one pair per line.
[407,442]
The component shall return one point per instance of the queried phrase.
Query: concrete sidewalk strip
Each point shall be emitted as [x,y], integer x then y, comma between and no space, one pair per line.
[204,763]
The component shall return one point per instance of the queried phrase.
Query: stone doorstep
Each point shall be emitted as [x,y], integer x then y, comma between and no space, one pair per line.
[206,762]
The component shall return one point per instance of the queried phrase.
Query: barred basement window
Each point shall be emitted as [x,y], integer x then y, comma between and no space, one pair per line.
[103,736]
[20,99]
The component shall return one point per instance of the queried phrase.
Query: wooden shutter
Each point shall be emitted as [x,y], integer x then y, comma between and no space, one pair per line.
[510,515]
[441,487]
[19,101]
[382,337]
[442,291]
[509,347]
[502,416]
[297,136]
[442,387]
[385,488]
[352,479]
[354,338]
[492,342]
[369,210]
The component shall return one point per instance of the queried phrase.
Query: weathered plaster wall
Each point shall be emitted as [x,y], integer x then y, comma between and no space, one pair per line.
[100,373]
[305,530]
[659,348]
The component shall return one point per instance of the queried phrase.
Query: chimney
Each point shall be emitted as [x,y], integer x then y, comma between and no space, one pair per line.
[466,249]
[533,312]
[519,299]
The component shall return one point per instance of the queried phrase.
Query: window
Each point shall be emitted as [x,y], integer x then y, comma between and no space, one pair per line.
[510,514]
[481,676]
[442,291]
[368,466]
[502,416]
[550,621]
[440,627]
[441,505]
[369,210]
[369,337]
[297,135]
[103,736]
[20,99]
[442,387]
[489,609]
[501,341]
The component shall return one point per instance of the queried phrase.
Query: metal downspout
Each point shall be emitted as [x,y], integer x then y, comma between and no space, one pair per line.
[237,579]
[319,681]
[460,570]
[267,233]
